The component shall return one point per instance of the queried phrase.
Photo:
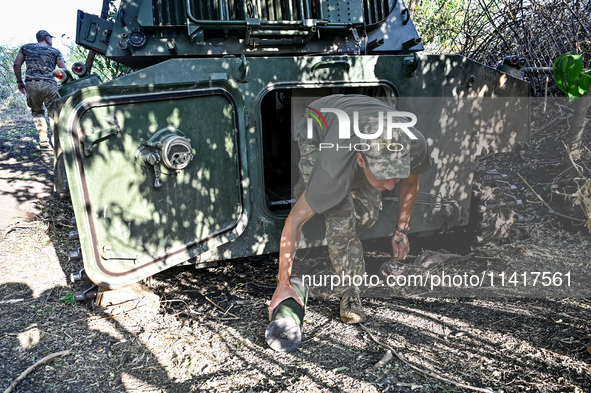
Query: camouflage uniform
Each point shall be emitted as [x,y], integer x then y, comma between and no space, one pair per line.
[41,60]
[358,202]
[360,208]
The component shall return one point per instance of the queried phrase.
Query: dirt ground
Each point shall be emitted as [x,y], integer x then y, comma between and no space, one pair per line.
[208,334]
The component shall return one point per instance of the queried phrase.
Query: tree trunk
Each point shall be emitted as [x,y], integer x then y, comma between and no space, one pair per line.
[577,125]
[91,53]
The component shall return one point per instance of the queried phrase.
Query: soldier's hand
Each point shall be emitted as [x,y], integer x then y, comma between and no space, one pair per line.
[283,291]
[21,87]
[400,246]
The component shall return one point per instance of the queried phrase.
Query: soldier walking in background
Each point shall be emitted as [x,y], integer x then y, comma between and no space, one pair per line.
[39,85]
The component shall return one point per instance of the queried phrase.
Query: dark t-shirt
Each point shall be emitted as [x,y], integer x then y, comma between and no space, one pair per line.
[41,60]
[336,171]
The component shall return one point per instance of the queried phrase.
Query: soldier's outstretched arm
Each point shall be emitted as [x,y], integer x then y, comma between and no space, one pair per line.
[409,189]
[290,237]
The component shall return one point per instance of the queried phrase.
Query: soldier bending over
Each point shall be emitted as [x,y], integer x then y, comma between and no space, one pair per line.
[346,185]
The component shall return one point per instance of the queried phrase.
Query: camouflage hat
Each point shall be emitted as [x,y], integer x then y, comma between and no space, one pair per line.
[389,158]
[43,34]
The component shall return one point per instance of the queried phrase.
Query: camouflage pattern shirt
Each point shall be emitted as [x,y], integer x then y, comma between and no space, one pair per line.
[41,60]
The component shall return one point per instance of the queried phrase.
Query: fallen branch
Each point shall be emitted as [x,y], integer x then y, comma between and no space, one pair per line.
[585,166]
[12,227]
[571,159]
[425,372]
[9,229]
[549,125]
[11,301]
[212,302]
[30,369]
[552,211]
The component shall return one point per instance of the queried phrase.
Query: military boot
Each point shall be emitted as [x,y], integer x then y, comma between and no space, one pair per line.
[351,308]
[43,140]
[41,126]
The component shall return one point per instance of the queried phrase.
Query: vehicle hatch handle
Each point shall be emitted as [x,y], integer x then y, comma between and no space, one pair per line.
[328,63]
[90,140]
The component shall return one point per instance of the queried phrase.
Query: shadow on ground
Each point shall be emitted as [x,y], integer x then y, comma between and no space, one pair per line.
[25,170]
[208,334]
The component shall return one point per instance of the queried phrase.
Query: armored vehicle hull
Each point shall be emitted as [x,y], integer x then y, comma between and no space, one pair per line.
[189,160]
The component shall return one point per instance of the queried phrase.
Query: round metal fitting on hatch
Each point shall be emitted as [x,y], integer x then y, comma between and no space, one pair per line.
[176,152]
[136,38]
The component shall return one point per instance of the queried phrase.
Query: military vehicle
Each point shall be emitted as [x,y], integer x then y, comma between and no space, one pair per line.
[188,159]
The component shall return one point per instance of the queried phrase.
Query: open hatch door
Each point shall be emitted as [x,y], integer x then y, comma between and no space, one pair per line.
[154,176]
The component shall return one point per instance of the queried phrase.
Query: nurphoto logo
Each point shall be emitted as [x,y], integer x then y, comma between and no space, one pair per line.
[316,115]
[394,120]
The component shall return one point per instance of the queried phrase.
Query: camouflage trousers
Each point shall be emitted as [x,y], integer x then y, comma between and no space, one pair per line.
[39,93]
[358,209]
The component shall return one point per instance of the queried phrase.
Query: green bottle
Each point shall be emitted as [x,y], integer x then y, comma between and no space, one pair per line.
[284,333]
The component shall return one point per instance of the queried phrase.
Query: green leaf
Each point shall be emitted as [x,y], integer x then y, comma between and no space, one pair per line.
[585,82]
[559,76]
[568,70]
[68,298]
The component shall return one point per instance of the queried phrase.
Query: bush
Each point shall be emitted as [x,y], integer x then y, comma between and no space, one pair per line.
[9,94]
[106,69]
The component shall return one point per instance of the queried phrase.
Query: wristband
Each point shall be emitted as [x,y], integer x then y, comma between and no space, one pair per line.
[19,82]
[403,231]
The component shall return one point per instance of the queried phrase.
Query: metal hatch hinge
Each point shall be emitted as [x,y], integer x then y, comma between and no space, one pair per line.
[241,69]
[355,35]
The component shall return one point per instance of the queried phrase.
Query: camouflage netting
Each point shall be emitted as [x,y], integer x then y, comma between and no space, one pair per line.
[536,30]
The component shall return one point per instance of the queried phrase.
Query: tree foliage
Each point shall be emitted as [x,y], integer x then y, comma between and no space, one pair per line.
[106,68]
[9,95]
[439,23]
[7,56]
